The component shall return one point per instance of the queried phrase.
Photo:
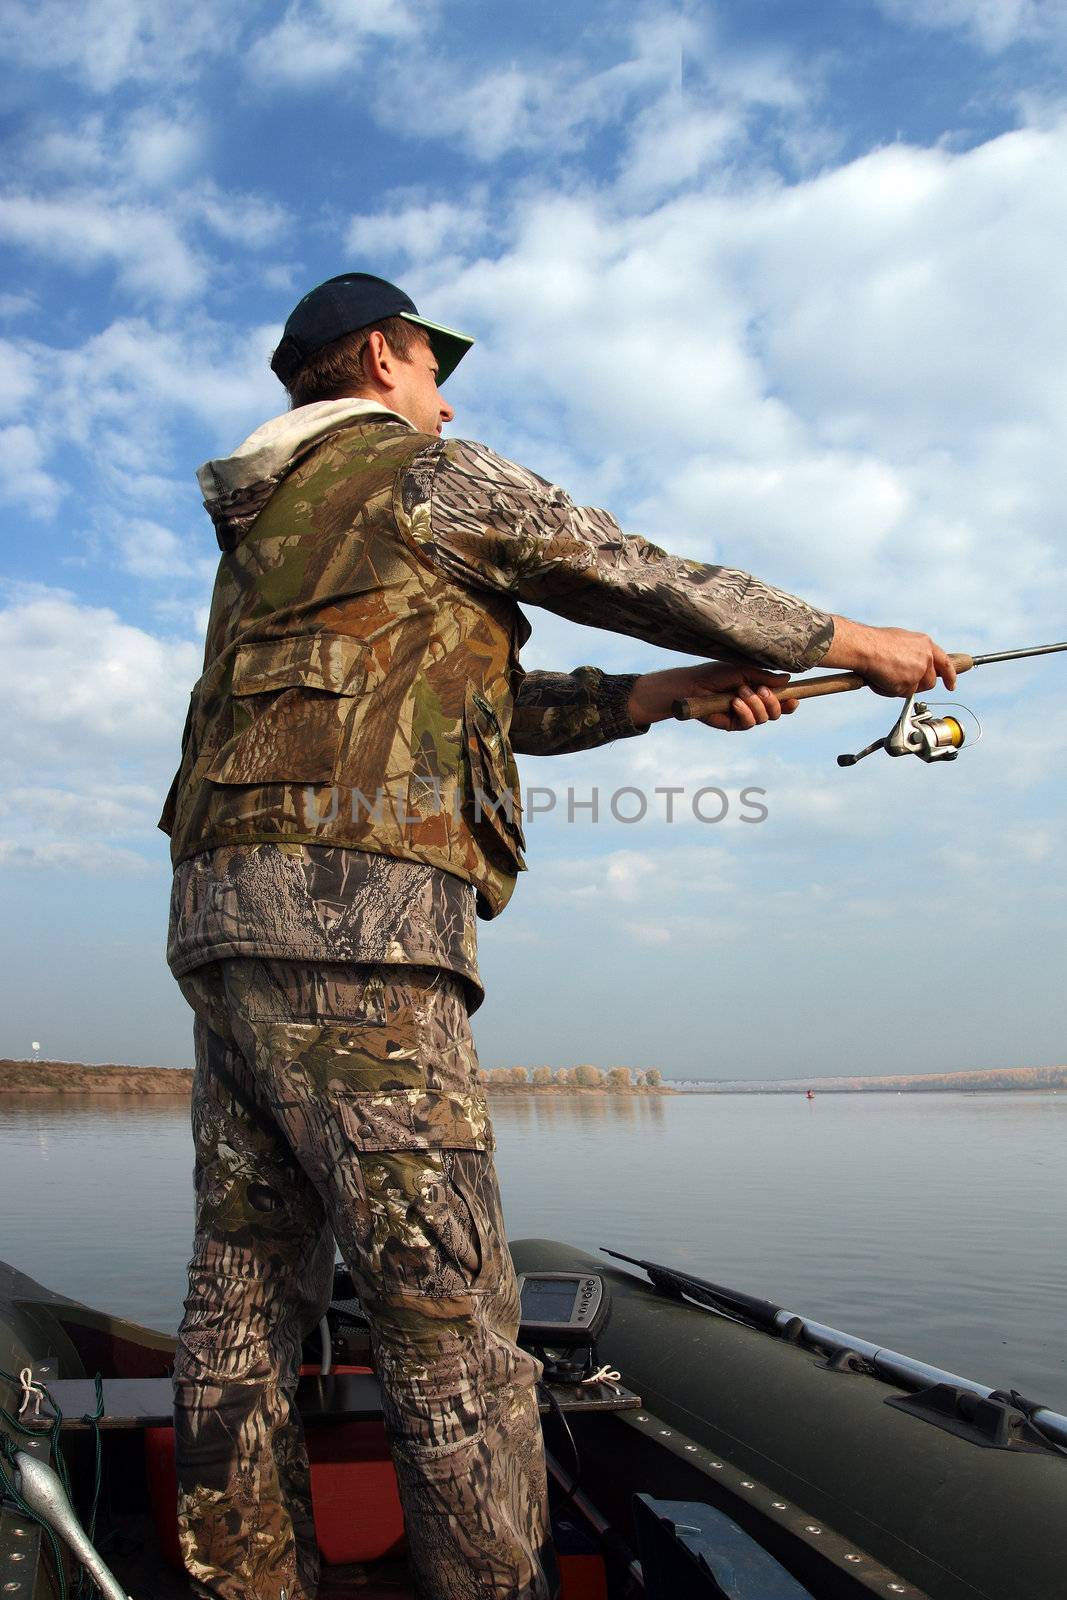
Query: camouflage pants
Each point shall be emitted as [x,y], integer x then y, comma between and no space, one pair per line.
[341,1102]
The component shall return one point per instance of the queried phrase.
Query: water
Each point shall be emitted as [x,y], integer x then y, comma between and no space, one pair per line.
[932,1223]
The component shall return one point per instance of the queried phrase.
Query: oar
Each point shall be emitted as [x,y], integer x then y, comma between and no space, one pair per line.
[840,683]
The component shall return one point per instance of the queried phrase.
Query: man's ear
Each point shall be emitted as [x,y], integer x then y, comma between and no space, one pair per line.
[379,362]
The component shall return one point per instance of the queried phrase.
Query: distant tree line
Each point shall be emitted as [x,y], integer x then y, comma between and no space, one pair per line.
[572,1080]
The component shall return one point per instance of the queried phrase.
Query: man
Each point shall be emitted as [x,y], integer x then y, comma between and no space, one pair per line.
[347,798]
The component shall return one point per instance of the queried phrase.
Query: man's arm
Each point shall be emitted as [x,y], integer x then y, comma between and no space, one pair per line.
[493,525]
[559,712]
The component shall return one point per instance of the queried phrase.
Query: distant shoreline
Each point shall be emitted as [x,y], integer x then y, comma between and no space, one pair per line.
[73,1077]
[993,1080]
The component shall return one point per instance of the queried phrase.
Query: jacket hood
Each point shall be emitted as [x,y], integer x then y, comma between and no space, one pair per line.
[237,487]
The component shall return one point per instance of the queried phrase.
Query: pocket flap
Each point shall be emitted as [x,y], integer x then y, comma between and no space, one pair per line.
[496,802]
[332,662]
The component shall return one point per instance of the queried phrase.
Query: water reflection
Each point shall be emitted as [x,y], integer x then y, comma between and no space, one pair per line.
[46,1109]
[519,1110]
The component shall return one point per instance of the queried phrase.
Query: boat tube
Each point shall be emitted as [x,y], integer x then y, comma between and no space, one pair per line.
[814,1451]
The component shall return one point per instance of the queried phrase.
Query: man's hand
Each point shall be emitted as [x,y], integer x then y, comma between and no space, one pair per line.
[893,661]
[760,697]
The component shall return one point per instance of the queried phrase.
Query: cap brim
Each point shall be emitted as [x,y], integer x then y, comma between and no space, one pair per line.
[447,344]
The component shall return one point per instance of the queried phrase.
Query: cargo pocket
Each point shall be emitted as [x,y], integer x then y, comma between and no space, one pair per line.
[436,1239]
[292,699]
[388,1099]
[416,1119]
[495,804]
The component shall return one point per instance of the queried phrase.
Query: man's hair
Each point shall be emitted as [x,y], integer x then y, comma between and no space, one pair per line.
[337,368]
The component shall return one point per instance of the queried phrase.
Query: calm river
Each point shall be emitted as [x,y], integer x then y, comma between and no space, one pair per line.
[933,1223]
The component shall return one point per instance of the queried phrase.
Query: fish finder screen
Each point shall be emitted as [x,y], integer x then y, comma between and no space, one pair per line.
[548,1300]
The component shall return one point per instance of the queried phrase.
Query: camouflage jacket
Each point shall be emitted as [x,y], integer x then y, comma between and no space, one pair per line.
[298,608]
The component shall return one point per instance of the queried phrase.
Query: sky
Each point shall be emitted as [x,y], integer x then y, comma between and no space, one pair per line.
[780,286]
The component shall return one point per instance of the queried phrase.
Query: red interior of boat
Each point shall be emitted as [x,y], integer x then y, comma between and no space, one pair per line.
[358,1518]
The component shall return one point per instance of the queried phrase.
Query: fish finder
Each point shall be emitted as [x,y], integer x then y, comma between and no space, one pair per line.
[560,1308]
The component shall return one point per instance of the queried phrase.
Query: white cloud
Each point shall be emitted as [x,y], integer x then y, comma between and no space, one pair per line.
[676,97]
[121,393]
[128,191]
[320,40]
[23,478]
[16,305]
[827,501]
[71,856]
[993,24]
[549,105]
[83,686]
[673,143]
[421,232]
[108,416]
[240,219]
[894,288]
[846,384]
[149,550]
[103,43]
[147,147]
[117,808]
[89,733]
[18,378]
[159,150]
[145,245]
[651,878]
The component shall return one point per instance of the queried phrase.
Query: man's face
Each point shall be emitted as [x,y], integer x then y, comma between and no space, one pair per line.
[416,395]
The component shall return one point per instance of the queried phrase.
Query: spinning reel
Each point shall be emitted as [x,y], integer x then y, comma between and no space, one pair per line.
[919,732]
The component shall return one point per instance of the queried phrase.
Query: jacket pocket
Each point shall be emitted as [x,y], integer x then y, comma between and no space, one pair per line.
[291,699]
[170,804]
[494,801]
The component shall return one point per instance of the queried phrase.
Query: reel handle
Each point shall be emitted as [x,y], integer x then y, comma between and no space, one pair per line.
[803,689]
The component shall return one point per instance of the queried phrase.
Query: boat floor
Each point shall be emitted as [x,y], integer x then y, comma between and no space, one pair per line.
[130,1552]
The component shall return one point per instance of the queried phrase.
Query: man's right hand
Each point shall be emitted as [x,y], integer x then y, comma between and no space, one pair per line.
[892,660]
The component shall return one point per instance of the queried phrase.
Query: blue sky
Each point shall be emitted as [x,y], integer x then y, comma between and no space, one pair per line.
[780,286]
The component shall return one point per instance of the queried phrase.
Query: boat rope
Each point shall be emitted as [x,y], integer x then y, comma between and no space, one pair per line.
[86,1587]
[1029,1409]
[30,1386]
[604,1374]
[31,1390]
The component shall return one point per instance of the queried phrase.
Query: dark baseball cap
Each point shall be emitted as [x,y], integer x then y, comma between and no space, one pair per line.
[355,300]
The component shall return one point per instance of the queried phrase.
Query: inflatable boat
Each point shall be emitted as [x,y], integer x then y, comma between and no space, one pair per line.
[701,1442]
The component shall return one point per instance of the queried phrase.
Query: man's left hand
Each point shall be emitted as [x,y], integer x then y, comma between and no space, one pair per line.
[760,695]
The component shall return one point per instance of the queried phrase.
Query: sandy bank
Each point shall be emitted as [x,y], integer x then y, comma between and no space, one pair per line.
[71,1077]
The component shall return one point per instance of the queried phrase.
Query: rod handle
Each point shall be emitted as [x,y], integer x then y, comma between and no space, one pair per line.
[802,689]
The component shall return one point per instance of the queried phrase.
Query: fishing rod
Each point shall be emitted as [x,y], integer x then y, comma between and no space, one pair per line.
[916,732]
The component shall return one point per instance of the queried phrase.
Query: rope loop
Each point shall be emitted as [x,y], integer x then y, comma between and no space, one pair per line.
[31,1390]
[604,1374]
